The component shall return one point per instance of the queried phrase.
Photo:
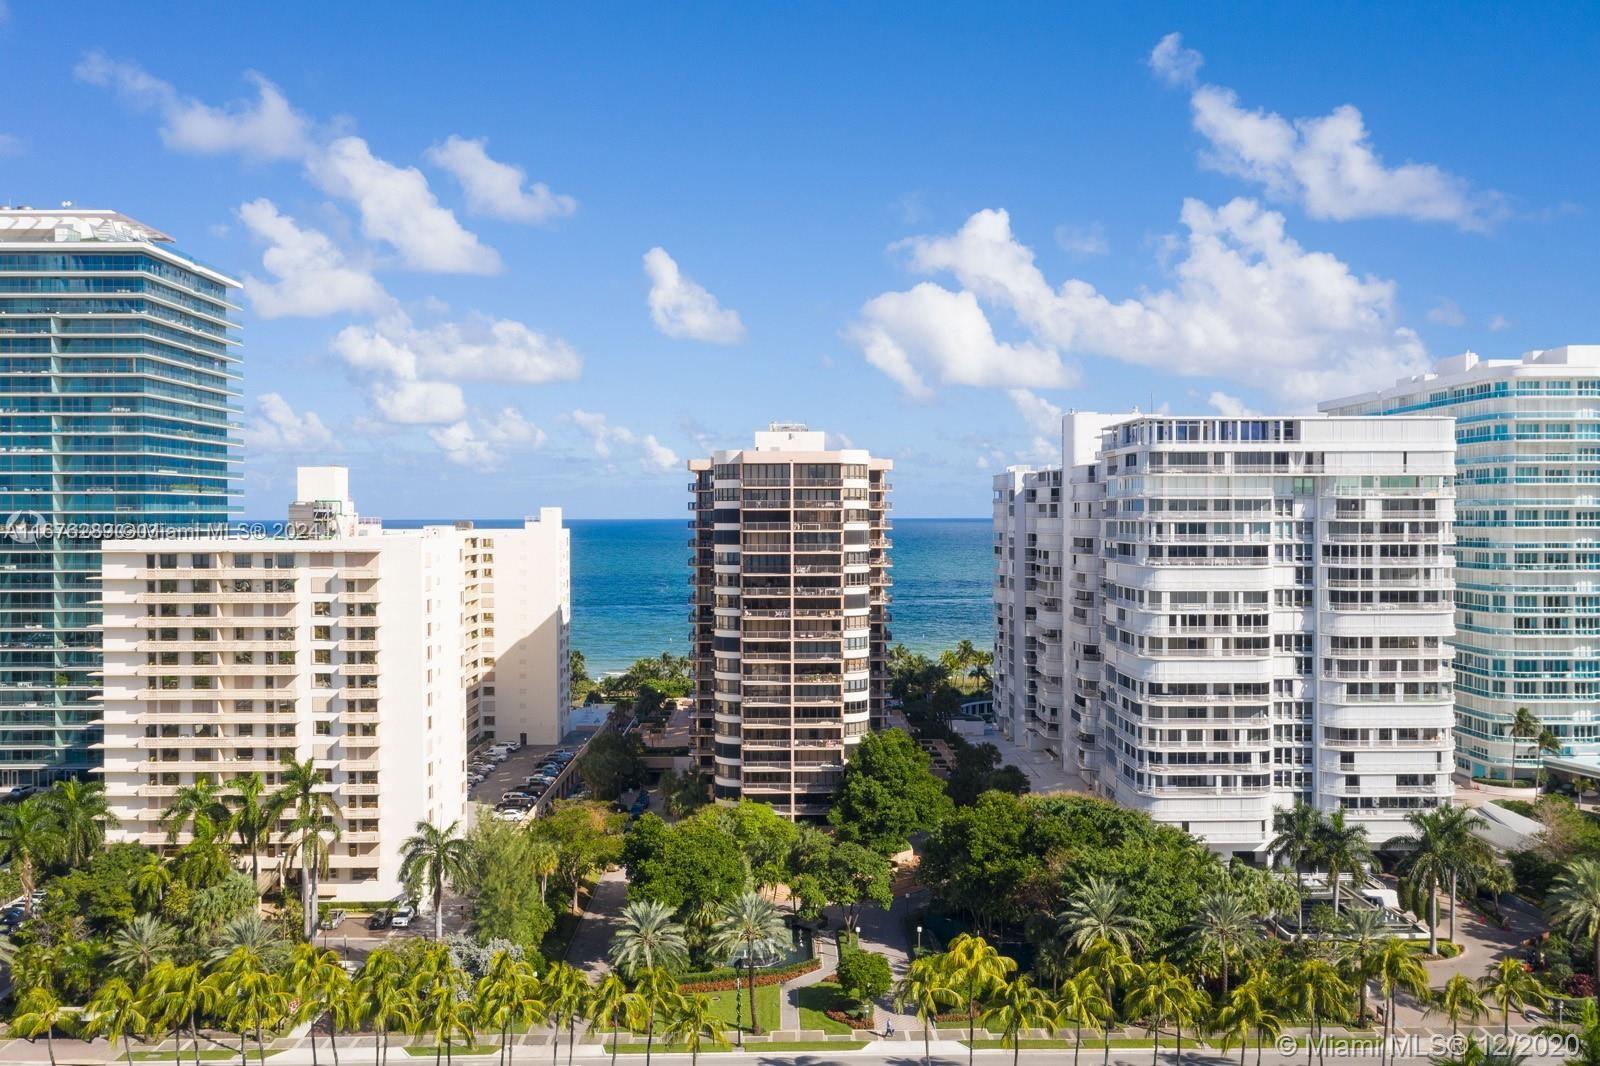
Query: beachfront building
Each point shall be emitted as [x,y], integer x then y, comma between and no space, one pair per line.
[1527,562]
[379,654]
[789,556]
[1027,672]
[1255,613]
[118,376]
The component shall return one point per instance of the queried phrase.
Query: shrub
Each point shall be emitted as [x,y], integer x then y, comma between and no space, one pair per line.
[864,975]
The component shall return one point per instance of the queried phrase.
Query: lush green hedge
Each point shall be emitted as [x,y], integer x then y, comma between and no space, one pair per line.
[726,977]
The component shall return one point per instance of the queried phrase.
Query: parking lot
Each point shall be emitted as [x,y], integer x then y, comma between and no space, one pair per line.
[509,774]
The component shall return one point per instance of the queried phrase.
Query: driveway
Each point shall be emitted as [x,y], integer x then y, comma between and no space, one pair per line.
[591,943]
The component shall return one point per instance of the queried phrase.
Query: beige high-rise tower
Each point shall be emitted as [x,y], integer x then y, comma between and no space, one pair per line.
[790,614]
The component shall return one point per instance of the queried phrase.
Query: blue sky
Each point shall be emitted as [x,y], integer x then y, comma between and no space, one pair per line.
[924,228]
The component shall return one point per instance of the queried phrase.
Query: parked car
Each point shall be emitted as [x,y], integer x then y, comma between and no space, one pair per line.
[510,814]
[403,917]
[332,919]
[379,919]
[515,794]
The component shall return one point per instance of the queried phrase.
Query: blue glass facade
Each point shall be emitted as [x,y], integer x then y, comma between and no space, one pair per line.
[118,402]
[1527,534]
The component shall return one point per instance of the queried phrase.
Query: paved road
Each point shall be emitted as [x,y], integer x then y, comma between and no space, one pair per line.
[593,939]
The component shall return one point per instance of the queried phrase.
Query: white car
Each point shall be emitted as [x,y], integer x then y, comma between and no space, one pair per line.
[402,918]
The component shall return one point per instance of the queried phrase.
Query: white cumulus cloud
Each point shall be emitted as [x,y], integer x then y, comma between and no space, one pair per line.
[497,189]
[264,128]
[1173,63]
[484,443]
[479,349]
[397,207]
[1043,419]
[278,428]
[1229,406]
[1326,163]
[681,308]
[931,332]
[418,402]
[607,440]
[313,277]
[1246,301]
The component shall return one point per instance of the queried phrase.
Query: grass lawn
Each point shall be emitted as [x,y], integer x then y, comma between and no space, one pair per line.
[206,1055]
[767,1009]
[754,1048]
[814,999]
[430,1050]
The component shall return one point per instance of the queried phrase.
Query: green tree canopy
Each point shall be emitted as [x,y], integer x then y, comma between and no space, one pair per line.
[507,904]
[682,866]
[888,793]
[612,764]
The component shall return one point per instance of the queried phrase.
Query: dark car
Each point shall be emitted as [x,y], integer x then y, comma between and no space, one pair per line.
[379,920]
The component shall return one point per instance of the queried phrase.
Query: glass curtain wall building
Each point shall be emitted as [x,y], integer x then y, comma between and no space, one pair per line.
[118,387]
[1527,550]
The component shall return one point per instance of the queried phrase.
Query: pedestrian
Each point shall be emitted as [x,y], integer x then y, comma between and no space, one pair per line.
[888,1029]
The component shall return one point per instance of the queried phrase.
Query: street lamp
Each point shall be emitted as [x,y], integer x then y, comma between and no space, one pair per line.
[919,940]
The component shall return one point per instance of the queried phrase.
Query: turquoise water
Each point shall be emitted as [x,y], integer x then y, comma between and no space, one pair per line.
[630,585]
[630,590]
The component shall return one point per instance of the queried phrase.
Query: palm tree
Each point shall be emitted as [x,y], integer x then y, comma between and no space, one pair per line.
[250,932]
[1295,842]
[438,857]
[179,994]
[613,1006]
[321,985]
[1225,924]
[1316,991]
[253,819]
[314,812]
[151,881]
[692,1021]
[252,997]
[1427,865]
[1396,967]
[1458,1000]
[923,989]
[1248,1010]
[654,986]
[28,839]
[1097,910]
[648,939]
[1575,905]
[114,1012]
[754,924]
[566,996]
[196,803]
[1083,1000]
[1018,1005]
[501,990]
[38,1014]
[81,816]
[1162,992]
[543,861]
[1512,987]
[1525,725]
[1362,930]
[1471,859]
[973,968]
[140,944]
[1342,847]
[444,1007]
[383,990]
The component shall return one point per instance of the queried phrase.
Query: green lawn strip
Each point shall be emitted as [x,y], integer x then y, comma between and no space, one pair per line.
[815,999]
[757,1047]
[767,1007]
[1096,1044]
[206,1055]
[419,1050]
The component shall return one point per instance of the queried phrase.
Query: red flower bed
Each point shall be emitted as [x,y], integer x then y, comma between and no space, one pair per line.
[763,977]
[849,1019]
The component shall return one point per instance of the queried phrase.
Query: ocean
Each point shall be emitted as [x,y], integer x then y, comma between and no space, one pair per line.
[630,585]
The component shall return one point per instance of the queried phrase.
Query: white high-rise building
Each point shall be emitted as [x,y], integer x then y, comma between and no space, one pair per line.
[789,619]
[1527,548]
[1258,616]
[1027,671]
[382,655]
